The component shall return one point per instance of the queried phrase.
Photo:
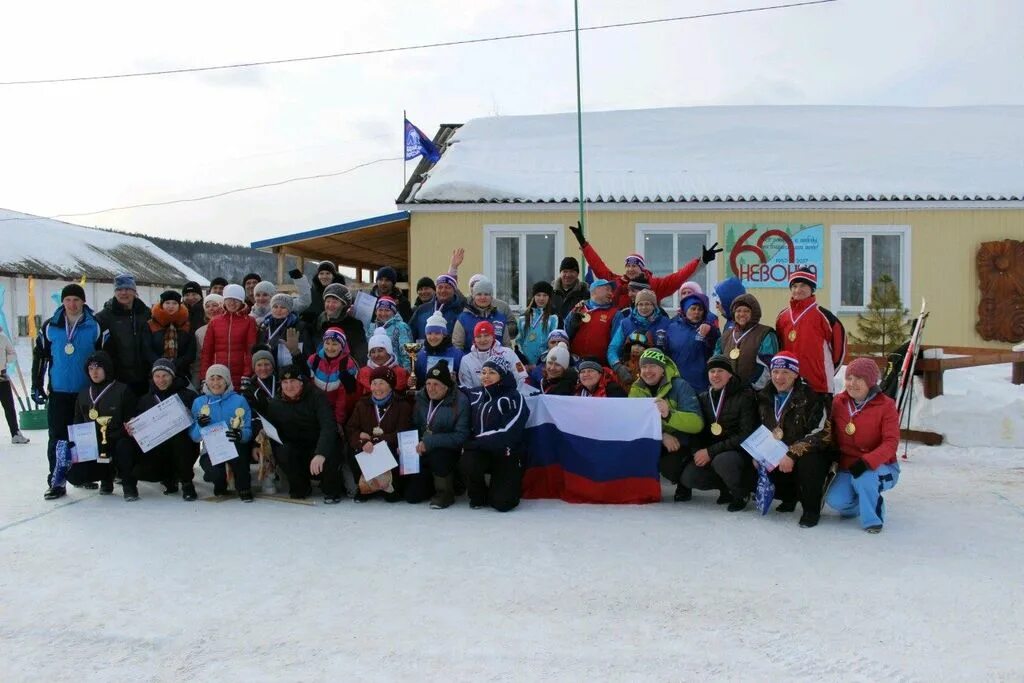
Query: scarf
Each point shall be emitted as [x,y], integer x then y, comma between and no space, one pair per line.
[382,402]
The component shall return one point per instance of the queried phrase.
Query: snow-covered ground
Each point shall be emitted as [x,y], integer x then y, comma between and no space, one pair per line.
[93,588]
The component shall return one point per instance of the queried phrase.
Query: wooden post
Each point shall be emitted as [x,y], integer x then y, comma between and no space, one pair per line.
[1018,373]
[932,383]
[280,265]
[359,275]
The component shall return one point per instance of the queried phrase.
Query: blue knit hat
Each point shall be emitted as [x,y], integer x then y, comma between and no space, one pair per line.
[125,281]
[727,290]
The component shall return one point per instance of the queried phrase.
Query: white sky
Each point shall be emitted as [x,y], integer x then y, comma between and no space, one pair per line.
[68,148]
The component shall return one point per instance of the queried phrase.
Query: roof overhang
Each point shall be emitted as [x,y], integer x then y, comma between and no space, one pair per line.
[366,243]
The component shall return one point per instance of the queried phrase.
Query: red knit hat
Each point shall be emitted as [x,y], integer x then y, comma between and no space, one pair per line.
[805,275]
[865,368]
[483,327]
[636,260]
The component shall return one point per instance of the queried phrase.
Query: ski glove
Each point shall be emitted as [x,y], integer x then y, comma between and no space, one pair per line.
[246,384]
[577,232]
[204,420]
[295,273]
[623,373]
[38,395]
[234,436]
[709,255]
[858,468]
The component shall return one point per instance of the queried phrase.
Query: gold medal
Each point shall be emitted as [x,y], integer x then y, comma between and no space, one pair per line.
[777,433]
[734,354]
[69,348]
[586,318]
[850,428]
[792,335]
[716,429]
[93,414]
[378,432]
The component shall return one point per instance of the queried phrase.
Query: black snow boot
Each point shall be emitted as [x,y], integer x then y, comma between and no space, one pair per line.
[786,506]
[809,519]
[131,491]
[683,494]
[188,491]
[106,487]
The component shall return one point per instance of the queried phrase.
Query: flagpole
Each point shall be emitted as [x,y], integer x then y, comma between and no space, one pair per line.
[405,177]
[579,104]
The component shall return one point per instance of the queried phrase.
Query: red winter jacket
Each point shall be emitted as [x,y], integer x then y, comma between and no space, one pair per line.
[590,339]
[662,286]
[229,340]
[820,342]
[876,433]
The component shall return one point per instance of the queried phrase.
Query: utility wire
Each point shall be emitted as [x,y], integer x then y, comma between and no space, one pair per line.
[210,196]
[449,43]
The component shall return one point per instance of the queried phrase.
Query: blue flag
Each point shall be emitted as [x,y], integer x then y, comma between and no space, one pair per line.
[416,143]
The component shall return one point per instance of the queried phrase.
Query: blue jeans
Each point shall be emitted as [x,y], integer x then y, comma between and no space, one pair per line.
[863,496]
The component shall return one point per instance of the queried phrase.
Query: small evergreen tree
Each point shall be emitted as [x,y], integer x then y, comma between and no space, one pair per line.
[884,326]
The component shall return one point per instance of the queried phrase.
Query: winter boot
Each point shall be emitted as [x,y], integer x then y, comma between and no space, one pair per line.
[876,529]
[131,491]
[444,492]
[54,492]
[809,519]
[220,489]
[245,495]
[724,497]
[786,506]
[683,494]
[91,485]
[737,504]
[170,487]
[106,487]
[188,492]
[19,438]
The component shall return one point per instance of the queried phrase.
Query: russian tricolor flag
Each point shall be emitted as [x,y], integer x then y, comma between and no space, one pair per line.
[593,450]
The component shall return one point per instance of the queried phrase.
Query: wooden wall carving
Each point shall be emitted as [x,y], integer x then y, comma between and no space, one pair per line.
[1001,281]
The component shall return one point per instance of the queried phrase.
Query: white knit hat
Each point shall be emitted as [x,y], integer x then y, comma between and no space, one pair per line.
[236,292]
[214,298]
[220,371]
[559,354]
[437,321]
[380,340]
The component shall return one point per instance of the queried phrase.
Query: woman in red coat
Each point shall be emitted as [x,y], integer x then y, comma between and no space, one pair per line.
[230,337]
[866,432]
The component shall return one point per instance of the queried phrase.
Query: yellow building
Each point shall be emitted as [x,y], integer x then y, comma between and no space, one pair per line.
[858,192]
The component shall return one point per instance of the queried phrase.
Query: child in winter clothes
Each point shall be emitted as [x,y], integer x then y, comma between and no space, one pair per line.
[274,330]
[391,323]
[691,340]
[219,404]
[334,373]
[536,324]
[171,333]
[230,337]
[437,347]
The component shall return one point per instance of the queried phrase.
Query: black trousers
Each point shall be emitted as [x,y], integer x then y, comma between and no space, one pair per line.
[124,454]
[295,459]
[218,474]
[506,478]
[730,471]
[7,400]
[806,480]
[671,465]
[60,412]
[172,461]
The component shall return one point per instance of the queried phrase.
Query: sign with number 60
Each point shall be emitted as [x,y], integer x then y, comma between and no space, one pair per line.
[764,254]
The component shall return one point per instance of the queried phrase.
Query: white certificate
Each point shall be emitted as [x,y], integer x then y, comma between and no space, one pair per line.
[269,429]
[86,448]
[218,447]
[765,448]
[363,307]
[409,459]
[378,462]
[160,423]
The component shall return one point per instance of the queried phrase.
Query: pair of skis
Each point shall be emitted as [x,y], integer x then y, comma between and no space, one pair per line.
[905,386]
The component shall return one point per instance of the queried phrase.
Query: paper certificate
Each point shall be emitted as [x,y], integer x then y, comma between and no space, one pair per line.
[86,448]
[765,448]
[218,447]
[160,423]
[269,429]
[409,459]
[378,462]
[363,308]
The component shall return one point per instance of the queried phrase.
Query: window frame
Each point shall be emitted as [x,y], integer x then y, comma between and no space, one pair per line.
[493,231]
[710,232]
[865,232]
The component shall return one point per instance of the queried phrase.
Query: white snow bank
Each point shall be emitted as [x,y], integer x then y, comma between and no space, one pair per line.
[741,153]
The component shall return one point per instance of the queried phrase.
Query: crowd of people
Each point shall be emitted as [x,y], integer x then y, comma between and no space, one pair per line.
[457,367]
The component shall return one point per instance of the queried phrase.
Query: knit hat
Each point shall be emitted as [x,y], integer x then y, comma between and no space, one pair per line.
[191,287]
[72,290]
[327,266]
[252,276]
[446,279]
[786,360]
[589,365]
[636,260]
[805,274]
[282,299]
[170,295]
[499,365]
[473,279]
[441,373]
[647,295]
[727,290]
[385,373]
[236,292]
[653,356]
[218,370]
[569,263]
[425,282]
[542,287]
[339,292]
[215,298]
[337,334]
[162,365]
[483,286]
[101,359]
[436,323]
[483,327]
[124,281]
[722,362]
[380,340]
[560,335]
[218,281]
[692,287]
[292,371]
[387,273]
[559,354]
[262,354]
[265,287]
[388,303]
[865,368]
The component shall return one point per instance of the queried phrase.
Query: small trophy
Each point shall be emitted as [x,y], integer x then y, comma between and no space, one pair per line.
[236,421]
[413,349]
[103,421]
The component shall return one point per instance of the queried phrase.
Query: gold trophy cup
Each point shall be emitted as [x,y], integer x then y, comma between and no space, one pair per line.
[413,349]
[236,421]
[103,421]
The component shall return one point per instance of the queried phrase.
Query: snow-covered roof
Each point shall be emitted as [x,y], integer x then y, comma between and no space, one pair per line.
[43,247]
[737,154]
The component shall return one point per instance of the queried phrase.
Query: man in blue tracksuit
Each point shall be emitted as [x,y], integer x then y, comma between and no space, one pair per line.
[63,345]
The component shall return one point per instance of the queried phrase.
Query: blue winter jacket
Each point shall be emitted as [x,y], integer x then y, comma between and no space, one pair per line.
[222,409]
[634,322]
[471,315]
[450,311]
[688,352]
[427,358]
[67,372]
[533,348]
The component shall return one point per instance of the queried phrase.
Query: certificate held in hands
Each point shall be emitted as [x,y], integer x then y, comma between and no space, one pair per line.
[765,448]
[218,446]
[160,423]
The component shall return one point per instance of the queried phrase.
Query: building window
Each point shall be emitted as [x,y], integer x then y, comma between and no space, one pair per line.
[667,247]
[861,255]
[516,256]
